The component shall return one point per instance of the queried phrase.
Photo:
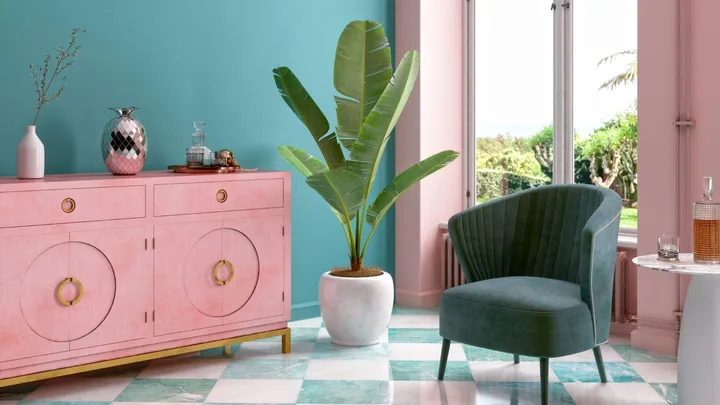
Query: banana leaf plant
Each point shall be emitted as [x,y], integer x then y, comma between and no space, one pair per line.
[368,106]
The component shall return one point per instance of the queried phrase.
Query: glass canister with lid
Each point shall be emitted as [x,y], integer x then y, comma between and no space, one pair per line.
[706,227]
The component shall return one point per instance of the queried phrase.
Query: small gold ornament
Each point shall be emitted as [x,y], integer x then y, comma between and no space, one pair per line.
[226,157]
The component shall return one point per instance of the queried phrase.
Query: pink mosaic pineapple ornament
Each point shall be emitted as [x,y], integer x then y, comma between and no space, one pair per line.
[124,143]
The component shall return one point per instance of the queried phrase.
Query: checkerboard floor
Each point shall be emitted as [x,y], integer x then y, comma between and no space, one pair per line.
[402,370]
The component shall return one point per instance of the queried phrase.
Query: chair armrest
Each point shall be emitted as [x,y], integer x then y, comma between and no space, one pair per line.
[597,264]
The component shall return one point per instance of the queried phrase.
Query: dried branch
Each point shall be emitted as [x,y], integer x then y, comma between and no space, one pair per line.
[64,59]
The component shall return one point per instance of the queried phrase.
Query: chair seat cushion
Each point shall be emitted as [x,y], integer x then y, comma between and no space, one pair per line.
[531,316]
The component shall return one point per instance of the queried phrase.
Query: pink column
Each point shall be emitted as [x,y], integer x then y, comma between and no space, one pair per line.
[431,122]
[658,166]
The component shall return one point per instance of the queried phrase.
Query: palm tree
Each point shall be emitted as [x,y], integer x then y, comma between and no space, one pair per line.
[628,76]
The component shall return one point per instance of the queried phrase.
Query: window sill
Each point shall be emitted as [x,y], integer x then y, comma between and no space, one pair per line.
[627,240]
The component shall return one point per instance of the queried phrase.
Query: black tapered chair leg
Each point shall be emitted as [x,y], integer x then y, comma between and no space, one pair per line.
[600,363]
[443,358]
[516,358]
[544,371]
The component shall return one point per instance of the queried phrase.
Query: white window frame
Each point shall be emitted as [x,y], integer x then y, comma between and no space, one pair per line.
[563,129]
[469,174]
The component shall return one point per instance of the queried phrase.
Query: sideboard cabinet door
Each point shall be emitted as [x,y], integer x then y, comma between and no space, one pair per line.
[255,248]
[186,295]
[33,322]
[116,271]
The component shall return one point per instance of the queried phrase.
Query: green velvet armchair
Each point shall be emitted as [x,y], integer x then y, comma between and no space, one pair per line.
[539,266]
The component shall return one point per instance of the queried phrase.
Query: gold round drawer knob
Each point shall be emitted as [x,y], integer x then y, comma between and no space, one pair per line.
[68,205]
[221,196]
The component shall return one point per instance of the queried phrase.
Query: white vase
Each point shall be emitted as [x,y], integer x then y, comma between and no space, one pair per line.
[30,156]
[356,310]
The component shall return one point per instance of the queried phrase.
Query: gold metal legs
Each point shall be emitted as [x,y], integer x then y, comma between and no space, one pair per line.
[286,347]
[227,350]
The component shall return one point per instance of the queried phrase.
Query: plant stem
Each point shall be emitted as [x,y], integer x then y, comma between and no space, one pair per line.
[358,236]
[60,59]
[347,237]
[367,241]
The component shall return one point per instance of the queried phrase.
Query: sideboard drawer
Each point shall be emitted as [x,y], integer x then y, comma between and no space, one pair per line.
[196,198]
[49,207]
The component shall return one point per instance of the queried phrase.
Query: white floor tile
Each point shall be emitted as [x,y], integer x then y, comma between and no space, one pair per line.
[323,336]
[424,351]
[186,368]
[306,323]
[348,370]
[77,389]
[255,391]
[614,394]
[272,350]
[415,321]
[657,372]
[501,371]
[433,393]
[609,355]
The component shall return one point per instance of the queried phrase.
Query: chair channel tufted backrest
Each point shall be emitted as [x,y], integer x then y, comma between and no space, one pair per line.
[535,232]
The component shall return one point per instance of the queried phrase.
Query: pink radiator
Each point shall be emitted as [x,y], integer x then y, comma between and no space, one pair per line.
[620,293]
[452,276]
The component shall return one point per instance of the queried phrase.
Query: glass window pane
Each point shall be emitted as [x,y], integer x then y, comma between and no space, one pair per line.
[513,96]
[605,98]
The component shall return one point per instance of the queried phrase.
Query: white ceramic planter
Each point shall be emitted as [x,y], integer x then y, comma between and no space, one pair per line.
[30,156]
[356,311]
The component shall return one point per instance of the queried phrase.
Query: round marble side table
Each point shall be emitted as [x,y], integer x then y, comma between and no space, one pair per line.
[699,352]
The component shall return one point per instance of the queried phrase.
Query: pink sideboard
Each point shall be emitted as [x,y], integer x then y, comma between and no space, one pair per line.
[99,267]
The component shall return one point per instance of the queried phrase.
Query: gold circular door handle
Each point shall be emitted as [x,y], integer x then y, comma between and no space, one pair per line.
[218,266]
[67,205]
[62,285]
[221,196]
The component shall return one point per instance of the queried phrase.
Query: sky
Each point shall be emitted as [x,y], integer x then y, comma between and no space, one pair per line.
[514,63]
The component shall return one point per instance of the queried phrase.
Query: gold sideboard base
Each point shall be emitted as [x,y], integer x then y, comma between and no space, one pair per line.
[225,343]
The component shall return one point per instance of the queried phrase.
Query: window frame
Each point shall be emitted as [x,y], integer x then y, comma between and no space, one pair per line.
[563,128]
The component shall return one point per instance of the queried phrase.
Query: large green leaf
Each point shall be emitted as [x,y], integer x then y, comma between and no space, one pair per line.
[404,181]
[375,131]
[300,102]
[301,160]
[363,68]
[341,189]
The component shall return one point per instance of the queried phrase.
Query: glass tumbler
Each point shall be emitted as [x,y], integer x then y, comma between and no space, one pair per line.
[668,247]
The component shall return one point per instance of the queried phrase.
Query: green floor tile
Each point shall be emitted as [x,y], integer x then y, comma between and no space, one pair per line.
[428,371]
[167,390]
[344,392]
[588,372]
[667,391]
[473,353]
[414,336]
[327,350]
[631,354]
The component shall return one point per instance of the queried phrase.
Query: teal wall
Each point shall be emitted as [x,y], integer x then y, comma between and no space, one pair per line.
[184,60]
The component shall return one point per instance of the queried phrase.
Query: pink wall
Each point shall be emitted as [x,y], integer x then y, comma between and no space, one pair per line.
[431,122]
[665,159]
